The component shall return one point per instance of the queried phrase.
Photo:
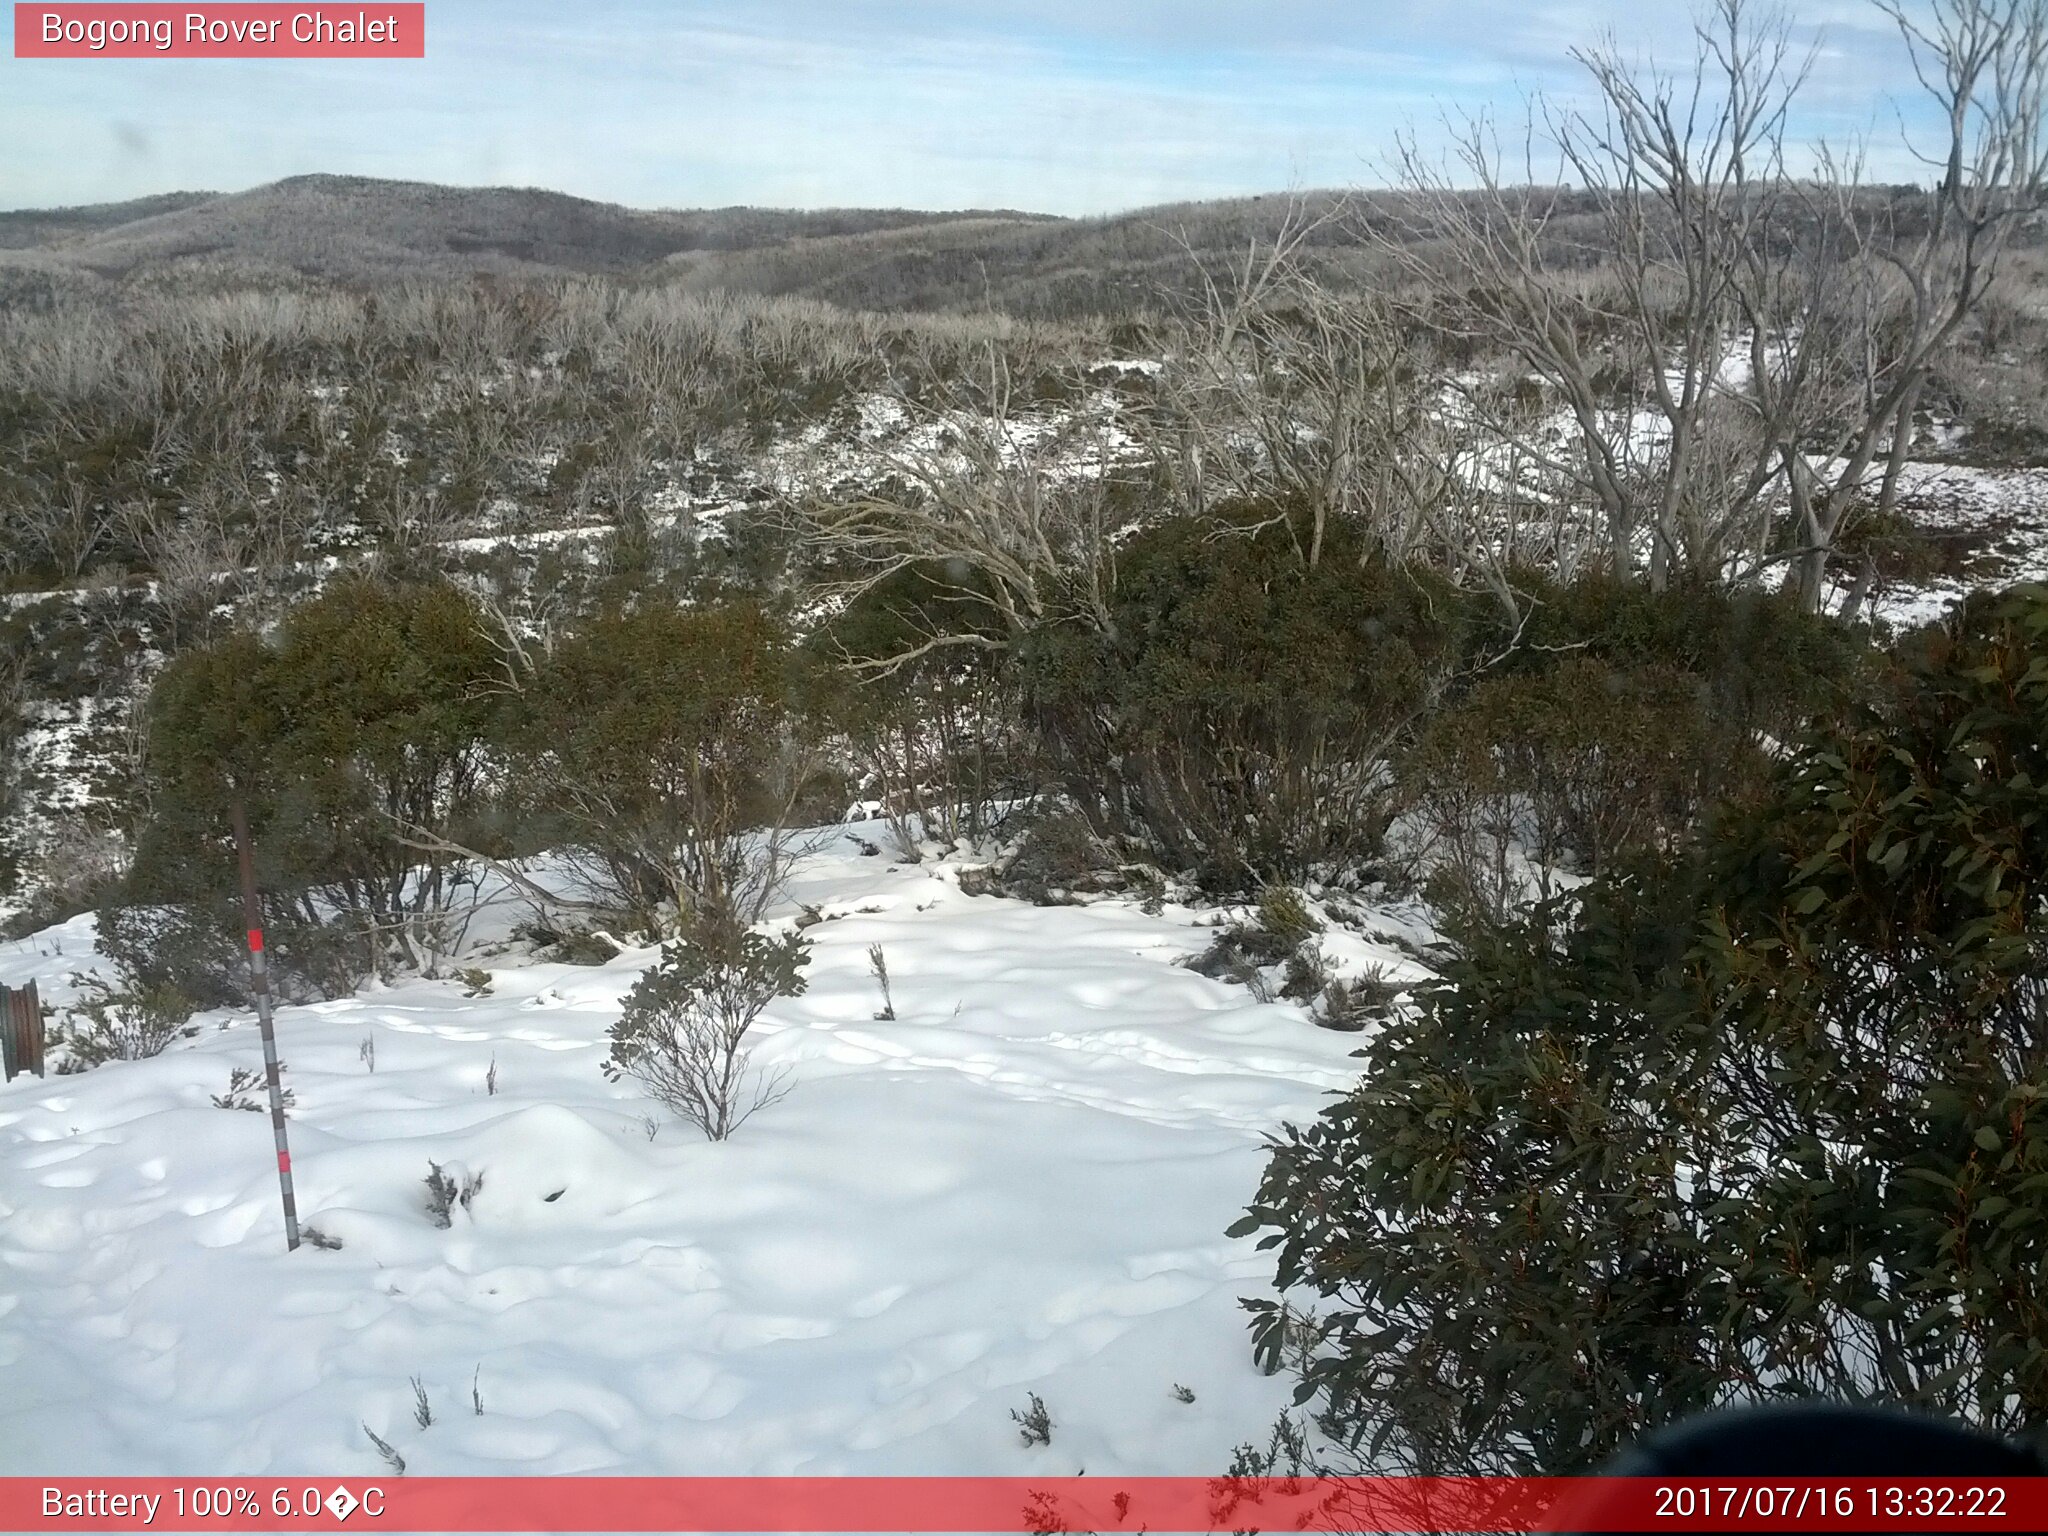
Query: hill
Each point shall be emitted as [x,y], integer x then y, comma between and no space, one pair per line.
[358,229]
[46,227]
[361,231]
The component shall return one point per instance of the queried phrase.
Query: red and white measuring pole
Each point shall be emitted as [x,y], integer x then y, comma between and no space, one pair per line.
[259,983]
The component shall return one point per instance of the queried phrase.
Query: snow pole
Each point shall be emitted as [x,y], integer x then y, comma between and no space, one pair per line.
[259,983]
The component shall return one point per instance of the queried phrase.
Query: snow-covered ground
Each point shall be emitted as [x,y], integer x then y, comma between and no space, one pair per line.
[1020,1185]
[2000,516]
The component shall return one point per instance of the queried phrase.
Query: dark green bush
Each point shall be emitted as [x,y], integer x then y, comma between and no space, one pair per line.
[669,746]
[1594,758]
[356,738]
[1610,726]
[937,738]
[1057,857]
[1241,713]
[1763,1122]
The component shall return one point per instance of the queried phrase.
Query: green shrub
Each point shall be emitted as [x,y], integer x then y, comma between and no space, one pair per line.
[683,1031]
[1283,912]
[198,948]
[1058,856]
[1763,1122]
[1306,975]
[1595,759]
[1610,727]
[1241,709]
[938,738]
[1354,1004]
[1279,929]
[357,738]
[670,746]
[582,947]
[109,1025]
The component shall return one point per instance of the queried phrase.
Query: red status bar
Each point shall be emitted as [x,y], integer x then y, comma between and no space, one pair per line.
[1156,1505]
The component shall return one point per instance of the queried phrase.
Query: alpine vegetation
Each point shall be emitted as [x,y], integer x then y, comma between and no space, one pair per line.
[915,815]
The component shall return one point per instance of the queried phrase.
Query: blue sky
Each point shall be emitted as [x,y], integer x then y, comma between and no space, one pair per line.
[1065,106]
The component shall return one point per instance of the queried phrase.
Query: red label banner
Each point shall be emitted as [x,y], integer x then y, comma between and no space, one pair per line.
[372,31]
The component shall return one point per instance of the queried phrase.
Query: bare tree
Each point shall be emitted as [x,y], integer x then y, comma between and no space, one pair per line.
[1984,66]
[59,527]
[1732,335]
[1331,407]
[1282,392]
[1015,512]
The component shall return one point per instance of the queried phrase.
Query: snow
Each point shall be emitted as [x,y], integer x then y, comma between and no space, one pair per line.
[1999,515]
[1018,1185]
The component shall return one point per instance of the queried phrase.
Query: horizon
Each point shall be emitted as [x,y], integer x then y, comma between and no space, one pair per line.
[1046,106]
[209,193]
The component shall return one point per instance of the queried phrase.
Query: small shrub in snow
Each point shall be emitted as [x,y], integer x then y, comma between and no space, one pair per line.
[1277,930]
[445,1193]
[1059,857]
[1307,975]
[1286,1455]
[683,1031]
[476,981]
[491,1079]
[422,1410]
[1043,1515]
[1351,1005]
[318,1238]
[879,964]
[1284,914]
[366,1053]
[246,1090]
[1183,1394]
[1034,1424]
[583,949]
[1237,954]
[385,1449]
[126,1026]
[476,1392]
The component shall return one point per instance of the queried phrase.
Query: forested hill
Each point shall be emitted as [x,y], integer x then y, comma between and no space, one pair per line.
[361,231]
[358,229]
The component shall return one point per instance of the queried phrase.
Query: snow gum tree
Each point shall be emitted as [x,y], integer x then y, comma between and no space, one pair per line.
[1738,335]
